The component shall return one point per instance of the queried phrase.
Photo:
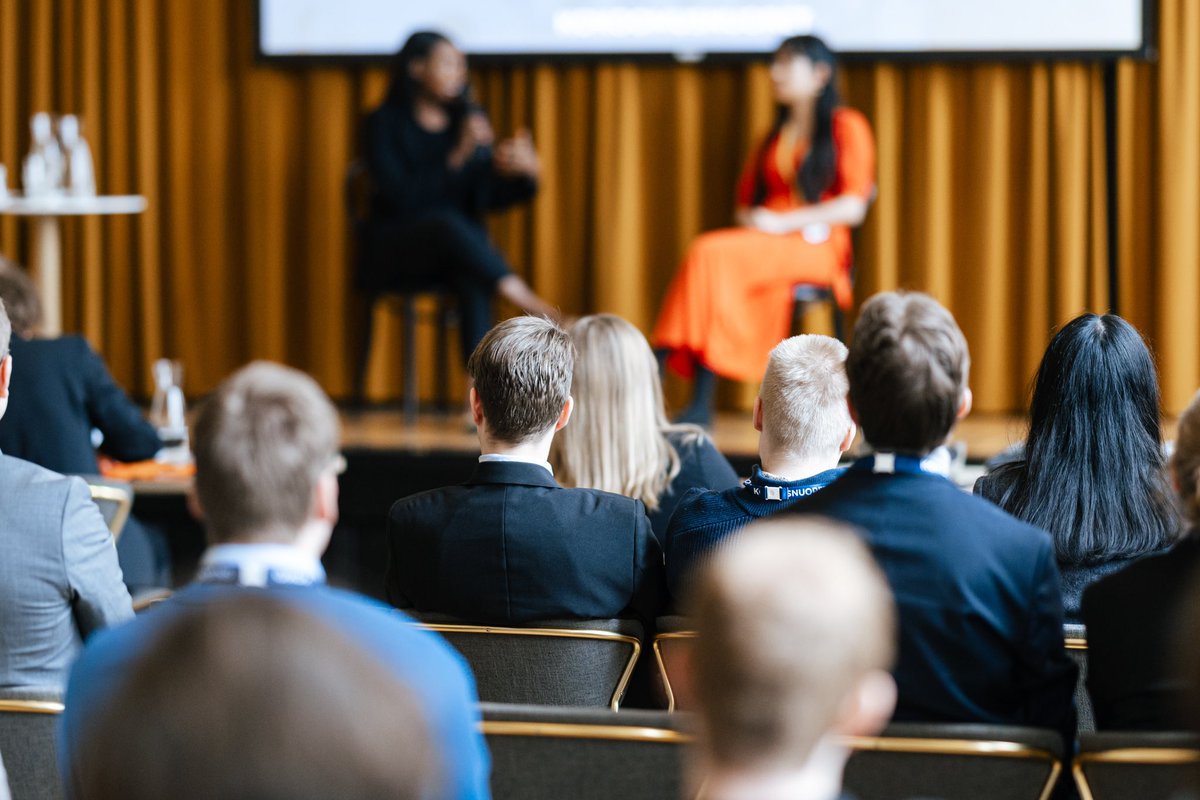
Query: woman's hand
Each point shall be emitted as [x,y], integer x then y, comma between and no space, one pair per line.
[517,156]
[476,132]
[765,220]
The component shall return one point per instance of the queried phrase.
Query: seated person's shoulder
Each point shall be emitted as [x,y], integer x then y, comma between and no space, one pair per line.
[19,475]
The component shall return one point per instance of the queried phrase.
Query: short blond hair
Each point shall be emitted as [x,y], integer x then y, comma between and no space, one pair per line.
[617,440]
[261,442]
[804,396]
[908,366]
[790,617]
[522,374]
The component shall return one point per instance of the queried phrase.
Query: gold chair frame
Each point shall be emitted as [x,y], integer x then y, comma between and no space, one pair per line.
[557,633]
[124,500]
[662,667]
[1142,756]
[31,706]
[578,730]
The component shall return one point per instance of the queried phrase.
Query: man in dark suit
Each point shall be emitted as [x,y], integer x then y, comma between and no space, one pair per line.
[977,590]
[63,392]
[510,545]
[1133,617]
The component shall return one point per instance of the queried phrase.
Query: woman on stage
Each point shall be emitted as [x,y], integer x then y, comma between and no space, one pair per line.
[805,186]
[434,175]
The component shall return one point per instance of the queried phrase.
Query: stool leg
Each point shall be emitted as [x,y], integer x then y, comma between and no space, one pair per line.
[839,323]
[411,400]
[443,351]
[367,332]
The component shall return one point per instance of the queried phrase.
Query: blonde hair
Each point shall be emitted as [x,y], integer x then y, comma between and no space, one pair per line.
[1185,461]
[804,395]
[790,617]
[617,439]
[262,441]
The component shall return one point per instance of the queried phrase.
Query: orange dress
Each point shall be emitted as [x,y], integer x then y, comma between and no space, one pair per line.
[731,301]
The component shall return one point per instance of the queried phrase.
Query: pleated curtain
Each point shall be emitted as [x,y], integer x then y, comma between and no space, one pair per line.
[992,191]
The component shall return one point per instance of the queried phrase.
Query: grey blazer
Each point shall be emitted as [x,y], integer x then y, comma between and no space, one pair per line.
[59,578]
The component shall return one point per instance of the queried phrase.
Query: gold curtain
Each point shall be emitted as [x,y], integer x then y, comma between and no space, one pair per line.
[991,189]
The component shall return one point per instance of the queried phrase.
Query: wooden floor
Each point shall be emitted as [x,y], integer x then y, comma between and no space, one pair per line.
[385,429]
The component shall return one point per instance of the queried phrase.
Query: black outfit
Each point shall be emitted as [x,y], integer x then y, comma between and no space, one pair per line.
[701,466]
[426,222]
[703,520]
[977,593]
[511,546]
[60,390]
[1132,620]
[1075,578]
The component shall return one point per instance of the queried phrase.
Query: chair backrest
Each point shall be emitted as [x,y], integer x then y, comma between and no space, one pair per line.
[556,663]
[1148,766]
[114,499]
[547,753]
[1075,640]
[27,740]
[979,762]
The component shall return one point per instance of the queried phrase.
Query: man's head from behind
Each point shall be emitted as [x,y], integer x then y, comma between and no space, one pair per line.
[266,445]
[802,404]
[250,697]
[908,368]
[796,632]
[522,373]
[20,298]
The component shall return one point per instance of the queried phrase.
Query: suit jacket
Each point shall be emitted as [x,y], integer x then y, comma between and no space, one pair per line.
[977,593]
[512,546]
[437,675]
[59,578]
[1132,620]
[60,390]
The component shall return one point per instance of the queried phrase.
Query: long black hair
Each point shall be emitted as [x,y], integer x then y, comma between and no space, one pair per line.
[820,165]
[403,89]
[1094,472]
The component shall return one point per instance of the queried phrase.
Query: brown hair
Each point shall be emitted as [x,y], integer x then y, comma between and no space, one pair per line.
[522,373]
[907,368]
[20,298]
[5,331]
[1185,461]
[262,441]
[790,617]
[249,697]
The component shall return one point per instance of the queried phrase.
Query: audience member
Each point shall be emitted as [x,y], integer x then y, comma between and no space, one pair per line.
[804,427]
[62,391]
[266,487]
[510,545]
[977,591]
[1132,615]
[59,577]
[796,633]
[248,696]
[619,439]
[1093,471]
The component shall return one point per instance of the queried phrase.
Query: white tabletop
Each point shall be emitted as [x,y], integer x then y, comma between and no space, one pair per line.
[69,205]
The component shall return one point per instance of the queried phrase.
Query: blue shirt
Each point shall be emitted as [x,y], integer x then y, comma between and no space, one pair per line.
[433,670]
[705,518]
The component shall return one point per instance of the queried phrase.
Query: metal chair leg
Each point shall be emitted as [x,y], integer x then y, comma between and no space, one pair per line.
[366,334]
[411,401]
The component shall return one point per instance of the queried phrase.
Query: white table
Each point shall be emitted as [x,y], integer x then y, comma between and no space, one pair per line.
[47,259]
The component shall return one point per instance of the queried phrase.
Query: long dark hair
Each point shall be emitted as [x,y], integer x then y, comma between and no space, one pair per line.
[820,165]
[1094,472]
[404,89]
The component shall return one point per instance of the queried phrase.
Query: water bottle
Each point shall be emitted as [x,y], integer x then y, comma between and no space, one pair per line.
[80,174]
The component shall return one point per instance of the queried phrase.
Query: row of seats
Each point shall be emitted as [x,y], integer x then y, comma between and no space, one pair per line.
[544,752]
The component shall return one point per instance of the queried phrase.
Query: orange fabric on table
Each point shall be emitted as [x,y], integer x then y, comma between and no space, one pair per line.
[731,301]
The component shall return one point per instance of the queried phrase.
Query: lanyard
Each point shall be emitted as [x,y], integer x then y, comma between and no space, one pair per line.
[890,464]
[236,575]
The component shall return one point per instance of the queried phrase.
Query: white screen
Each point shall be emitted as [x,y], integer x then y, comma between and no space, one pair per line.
[693,28]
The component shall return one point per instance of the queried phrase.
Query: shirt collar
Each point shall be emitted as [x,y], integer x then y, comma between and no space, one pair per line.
[259,565]
[505,457]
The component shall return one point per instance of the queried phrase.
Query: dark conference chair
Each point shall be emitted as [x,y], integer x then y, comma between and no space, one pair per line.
[27,742]
[555,663]
[546,753]
[114,499]
[671,643]
[1075,639]
[1142,765]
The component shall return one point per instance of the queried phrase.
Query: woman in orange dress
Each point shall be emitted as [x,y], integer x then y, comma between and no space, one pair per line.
[809,182]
